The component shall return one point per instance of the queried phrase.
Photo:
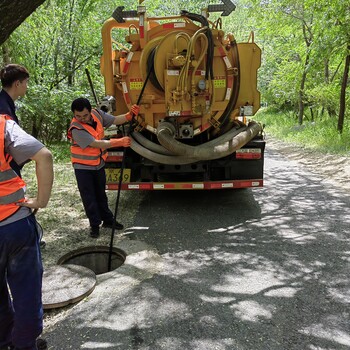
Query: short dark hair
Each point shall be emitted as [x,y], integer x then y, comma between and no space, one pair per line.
[80,103]
[12,72]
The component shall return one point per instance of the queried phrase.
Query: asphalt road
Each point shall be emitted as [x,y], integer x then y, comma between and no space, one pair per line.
[254,269]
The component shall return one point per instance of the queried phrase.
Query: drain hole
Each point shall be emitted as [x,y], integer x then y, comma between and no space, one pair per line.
[95,258]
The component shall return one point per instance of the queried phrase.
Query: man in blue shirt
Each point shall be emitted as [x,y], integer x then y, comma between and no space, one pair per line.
[14,79]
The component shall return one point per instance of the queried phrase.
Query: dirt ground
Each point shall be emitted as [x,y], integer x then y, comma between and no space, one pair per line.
[332,168]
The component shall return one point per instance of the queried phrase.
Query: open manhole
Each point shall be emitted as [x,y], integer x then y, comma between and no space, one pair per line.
[95,258]
[74,277]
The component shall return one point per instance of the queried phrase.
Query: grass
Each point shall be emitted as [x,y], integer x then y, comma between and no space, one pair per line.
[64,222]
[320,135]
[60,152]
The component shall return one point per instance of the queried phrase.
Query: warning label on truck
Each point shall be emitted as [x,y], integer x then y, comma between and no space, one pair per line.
[136,83]
[220,82]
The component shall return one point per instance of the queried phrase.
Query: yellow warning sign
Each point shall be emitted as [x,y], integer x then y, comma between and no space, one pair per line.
[136,83]
[220,83]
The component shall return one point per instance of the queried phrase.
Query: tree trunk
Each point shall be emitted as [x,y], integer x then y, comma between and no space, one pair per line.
[16,12]
[342,99]
[307,33]
[302,89]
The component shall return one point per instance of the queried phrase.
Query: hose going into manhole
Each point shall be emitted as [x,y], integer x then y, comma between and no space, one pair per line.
[122,170]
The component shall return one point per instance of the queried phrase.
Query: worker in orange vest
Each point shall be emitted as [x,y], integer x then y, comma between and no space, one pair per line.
[88,155]
[21,315]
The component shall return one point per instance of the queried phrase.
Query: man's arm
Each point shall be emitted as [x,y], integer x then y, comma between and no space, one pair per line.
[44,175]
[104,144]
[123,118]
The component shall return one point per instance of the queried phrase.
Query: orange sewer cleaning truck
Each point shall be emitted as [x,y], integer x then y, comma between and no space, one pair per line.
[197,91]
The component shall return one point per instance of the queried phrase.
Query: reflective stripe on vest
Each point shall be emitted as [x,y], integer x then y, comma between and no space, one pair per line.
[13,197]
[90,155]
[7,175]
[12,187]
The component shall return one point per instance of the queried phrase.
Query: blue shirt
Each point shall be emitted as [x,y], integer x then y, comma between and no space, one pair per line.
[7,105]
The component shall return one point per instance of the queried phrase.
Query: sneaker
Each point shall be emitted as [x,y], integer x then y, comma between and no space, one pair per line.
[94,231]
[42,244]
[118,225]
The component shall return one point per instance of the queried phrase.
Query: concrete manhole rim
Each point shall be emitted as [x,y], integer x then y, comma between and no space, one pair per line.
[61,302]
[73,271]
[92,249]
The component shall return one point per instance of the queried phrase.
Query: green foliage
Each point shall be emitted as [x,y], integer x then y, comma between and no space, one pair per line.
[60,152]
[304,45]
[56,44]
[321,135]
[46,113]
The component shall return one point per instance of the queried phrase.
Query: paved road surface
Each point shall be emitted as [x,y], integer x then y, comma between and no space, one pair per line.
[262,269]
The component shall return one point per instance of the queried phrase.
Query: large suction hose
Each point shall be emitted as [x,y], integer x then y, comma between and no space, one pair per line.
[180,154]
[160,158]
[152,146]
[207,151]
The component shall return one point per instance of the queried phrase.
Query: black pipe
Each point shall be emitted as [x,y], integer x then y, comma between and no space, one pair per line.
[122,170]
[91,86]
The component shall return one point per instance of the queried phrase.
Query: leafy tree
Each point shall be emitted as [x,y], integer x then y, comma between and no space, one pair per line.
[56,44]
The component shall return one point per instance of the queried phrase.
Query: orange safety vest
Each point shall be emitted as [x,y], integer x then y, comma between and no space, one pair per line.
[89,155]
[12,187]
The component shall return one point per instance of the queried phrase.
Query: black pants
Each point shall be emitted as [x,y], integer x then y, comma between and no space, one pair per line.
[92,188]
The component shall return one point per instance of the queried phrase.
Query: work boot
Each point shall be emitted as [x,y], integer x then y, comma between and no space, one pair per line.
[109,224]
[94,231]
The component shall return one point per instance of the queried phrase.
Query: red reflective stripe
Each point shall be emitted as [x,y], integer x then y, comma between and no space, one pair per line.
[127,62]
[204,127]
[142,26]
[222,51]
[208,185]
[114,159]
[126,67]
[126,93]
[248,155]
[168,25]
[230,81]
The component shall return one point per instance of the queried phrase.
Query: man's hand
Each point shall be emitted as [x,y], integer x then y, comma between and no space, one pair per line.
[122,142]
[134,111]
[31,203]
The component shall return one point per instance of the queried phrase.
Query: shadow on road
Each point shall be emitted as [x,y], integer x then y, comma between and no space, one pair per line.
[262,269]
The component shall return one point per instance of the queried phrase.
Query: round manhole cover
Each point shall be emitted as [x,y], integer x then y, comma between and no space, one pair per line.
[66,284]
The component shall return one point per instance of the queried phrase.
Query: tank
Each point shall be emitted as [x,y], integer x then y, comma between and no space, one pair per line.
[197,91]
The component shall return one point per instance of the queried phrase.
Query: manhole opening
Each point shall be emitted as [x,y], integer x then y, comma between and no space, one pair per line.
[95,258]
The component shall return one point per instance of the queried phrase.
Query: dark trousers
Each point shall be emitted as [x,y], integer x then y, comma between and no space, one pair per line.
[92,188]
[21,319]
